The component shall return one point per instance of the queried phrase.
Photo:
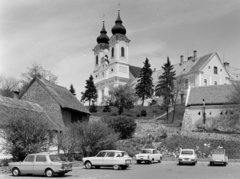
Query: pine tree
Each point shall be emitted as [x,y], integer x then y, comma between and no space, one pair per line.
[144,87]
[90,92]
[72,90]
[165,84]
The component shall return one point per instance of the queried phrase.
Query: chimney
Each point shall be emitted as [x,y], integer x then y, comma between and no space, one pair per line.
[16,94]
[190,58]
[181,60]
[226,64]
[195,54]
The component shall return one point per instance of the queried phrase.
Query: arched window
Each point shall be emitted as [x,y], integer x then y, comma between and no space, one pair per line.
[97,60]
[112,52]
[122,52]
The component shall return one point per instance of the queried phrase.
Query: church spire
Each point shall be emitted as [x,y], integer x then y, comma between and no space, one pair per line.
[118,28]
[103,38]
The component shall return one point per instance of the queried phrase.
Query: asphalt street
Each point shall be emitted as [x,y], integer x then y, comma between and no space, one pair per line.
[164,170]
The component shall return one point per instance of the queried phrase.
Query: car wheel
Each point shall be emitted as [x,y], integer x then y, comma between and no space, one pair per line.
[49,173]
[159,160]
[88,165]
[115,167]
[138,161]
[15,172]
[124,167]
[61,174]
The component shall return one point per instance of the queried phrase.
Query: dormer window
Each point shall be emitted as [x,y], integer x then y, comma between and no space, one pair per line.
[122,52]
[112,52]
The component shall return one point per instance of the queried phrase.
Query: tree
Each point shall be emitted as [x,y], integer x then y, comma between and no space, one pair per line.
[122,125]
[72,90]
[69,139]
[37,70]
[24,136]
[90,93]
[8,85]
[165,85]
[144,87]
[177,90]
[122,96]
[96,136]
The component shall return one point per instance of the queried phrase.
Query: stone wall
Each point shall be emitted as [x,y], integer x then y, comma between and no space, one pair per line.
[187,121]
[216,136]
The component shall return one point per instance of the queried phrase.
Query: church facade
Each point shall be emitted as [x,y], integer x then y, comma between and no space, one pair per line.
[111,62]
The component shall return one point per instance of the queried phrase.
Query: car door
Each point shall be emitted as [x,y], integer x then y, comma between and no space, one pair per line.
[40,164]
[98,159]
[108,159]
[27,165]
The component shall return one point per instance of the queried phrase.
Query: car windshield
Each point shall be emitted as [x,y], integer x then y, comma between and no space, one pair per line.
[187,152]
[54,158]
[146,151]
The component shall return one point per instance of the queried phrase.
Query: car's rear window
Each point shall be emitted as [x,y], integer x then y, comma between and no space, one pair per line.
[54,158]
[187,152]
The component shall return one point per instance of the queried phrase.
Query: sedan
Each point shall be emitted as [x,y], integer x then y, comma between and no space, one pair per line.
[109,158]
[187,156]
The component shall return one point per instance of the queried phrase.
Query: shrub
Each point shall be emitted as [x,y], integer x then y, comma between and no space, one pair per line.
[138,115]
[128,114]
[122,125]
[106,109]
[96,136]
[93,109]
[144,113]
[5,161]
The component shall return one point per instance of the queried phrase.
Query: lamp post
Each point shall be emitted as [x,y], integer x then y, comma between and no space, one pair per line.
[204,116]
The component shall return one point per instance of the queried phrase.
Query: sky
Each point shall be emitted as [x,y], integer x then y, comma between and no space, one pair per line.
[60,34]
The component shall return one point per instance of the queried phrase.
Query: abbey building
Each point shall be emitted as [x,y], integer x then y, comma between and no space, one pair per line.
[111,64]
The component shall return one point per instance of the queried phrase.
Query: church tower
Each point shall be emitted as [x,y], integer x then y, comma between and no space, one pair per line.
[111,60]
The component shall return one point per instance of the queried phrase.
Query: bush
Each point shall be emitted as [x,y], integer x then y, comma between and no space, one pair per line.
[144,113]
[122,125]
[96,136]
[5,161]
[93,109]
[107,109]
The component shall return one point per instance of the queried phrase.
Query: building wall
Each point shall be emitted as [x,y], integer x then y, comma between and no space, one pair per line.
[208,72]
[37,94]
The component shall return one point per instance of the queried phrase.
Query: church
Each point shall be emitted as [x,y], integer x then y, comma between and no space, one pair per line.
[112,67]
[111,62]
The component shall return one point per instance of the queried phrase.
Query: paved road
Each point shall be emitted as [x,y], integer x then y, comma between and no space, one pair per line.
[164,170]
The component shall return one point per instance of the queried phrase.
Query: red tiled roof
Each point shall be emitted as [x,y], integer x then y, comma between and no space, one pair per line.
[213,95]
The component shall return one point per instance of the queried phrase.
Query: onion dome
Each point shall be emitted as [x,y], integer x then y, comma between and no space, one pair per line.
[103,38]
[118,28]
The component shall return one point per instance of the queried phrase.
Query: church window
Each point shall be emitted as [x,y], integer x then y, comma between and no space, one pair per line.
[103,74]
[112,52]
[205,82]
[122,52]
[215,70]
[186,83]
[97,60]
[215,82]
[208,67]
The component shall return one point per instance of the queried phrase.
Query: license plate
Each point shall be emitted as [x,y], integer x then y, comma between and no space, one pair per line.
[186,159]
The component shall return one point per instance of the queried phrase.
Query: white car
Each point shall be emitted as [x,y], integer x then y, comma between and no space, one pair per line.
[148,156]
[187,156]
[109,158]
[41,164]
[218,156]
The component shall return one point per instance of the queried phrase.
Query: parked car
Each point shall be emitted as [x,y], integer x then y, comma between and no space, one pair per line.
[109,158]
[148,156]
[218,156]
[187,156]
[41,164]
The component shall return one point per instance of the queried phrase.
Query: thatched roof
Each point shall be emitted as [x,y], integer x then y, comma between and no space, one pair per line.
[61,95]
[13,108]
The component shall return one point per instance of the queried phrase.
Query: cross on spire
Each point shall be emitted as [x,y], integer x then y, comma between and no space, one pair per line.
[119,5]
[103,17]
